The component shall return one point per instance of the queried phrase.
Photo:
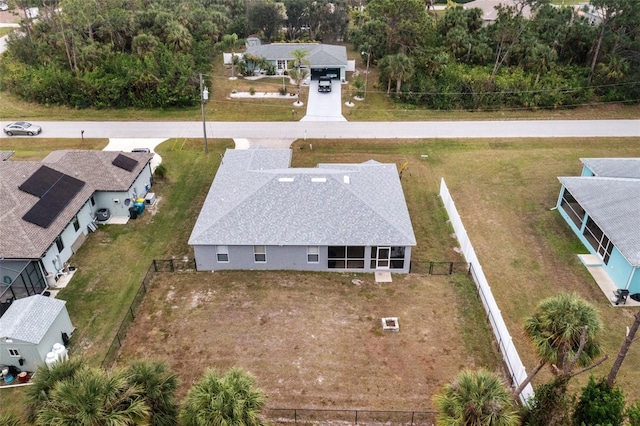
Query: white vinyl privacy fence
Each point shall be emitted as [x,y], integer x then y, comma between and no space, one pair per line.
[505,342]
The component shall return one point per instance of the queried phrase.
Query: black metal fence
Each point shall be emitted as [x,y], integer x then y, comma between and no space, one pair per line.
[156,266]
[305,416]
[439,268]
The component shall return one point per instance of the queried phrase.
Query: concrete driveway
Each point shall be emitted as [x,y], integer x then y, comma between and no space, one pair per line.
[324,106]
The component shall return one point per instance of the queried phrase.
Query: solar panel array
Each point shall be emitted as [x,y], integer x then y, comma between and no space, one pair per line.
[124,162]
[40,182]
[55,190]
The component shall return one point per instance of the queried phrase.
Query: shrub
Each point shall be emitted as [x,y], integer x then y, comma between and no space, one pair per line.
[282,91]
[160,172]
[252,91]
[633,414]
[599,404]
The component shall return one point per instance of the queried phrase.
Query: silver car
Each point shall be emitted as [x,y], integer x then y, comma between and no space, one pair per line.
[22,128]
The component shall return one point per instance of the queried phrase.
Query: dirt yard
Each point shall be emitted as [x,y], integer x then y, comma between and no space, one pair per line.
[312,340]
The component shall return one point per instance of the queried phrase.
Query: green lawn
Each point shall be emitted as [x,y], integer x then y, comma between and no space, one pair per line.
[221,107]
[504,190]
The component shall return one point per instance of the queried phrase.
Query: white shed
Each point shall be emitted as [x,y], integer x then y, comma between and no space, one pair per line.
[30,328]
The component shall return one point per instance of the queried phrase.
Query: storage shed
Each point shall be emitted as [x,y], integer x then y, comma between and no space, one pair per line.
[30,328]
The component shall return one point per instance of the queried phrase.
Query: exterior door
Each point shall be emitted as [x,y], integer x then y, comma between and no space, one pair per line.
[383,259]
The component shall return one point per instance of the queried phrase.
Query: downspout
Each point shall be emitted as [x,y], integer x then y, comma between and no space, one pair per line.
[633,272]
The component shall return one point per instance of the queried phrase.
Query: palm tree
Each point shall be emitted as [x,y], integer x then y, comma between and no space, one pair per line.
[158,386]
[45,380]
[232,399]
[476,398]
[230,42]
[298,75]
[10,420]
[397,67]
[564,332]
[94,398]
[300,58]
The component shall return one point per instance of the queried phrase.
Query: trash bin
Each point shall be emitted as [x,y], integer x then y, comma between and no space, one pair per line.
[133,212]
[139,205]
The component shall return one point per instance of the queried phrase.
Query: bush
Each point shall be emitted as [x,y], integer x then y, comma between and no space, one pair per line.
[550,406]
[160,172]
[633,414]
[599,404]
[282,91]
[252,91]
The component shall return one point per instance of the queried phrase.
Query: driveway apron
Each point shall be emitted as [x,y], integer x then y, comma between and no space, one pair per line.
[324,106]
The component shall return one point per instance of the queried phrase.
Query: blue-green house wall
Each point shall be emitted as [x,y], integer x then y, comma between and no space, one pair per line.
[621,272]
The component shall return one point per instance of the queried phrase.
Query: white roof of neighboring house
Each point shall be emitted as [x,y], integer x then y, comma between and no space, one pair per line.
[320,55]
[257,199]
[29,319]
[488,7]
[21,239]
[612,200]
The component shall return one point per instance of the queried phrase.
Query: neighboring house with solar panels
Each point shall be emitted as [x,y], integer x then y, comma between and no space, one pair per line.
[601,206]
[29,329]
[49,207]
[262,214]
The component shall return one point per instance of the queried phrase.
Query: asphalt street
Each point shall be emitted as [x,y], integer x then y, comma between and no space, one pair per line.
[343,130]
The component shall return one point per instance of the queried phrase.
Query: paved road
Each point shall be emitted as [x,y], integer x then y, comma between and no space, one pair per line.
[344,130]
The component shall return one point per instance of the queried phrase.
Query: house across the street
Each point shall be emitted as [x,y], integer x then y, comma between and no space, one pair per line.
[601,206]
[325,59]
[49,208]
[262,214]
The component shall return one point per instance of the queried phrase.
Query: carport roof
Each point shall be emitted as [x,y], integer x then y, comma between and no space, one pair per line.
[257,199]
[320,55]
[29,319]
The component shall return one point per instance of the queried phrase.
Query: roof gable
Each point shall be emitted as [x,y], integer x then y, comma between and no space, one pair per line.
[29,319]
[358,204]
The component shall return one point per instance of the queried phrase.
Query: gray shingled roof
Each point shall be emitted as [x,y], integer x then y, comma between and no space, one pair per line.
[24,240]
[613,167]
[613,204]
[320,55]
[30,318]
[256,199]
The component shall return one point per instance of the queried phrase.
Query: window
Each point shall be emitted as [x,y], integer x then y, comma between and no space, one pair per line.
[76,224]
[282,64]
[598,240]
[313,254]
[14,353]
[259,254]
[396,257]
[59,243]
[572,208]
[222,253]
[93,201]
[340,257]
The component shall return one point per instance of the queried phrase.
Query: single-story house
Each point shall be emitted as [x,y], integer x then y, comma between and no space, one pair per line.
[30,328]
[489,11]
[324,59]
[50,206]
[601,206]
[263,214]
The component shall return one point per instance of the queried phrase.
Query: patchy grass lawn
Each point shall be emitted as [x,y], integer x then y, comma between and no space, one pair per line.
[313,340]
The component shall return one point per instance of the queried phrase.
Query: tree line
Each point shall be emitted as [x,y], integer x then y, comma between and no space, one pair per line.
[555,57]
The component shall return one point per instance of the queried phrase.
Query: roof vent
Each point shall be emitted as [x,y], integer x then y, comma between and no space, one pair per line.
[346,180]
[285,179]
[318,179]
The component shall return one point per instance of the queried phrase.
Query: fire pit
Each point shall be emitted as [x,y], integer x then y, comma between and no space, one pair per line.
[390,324]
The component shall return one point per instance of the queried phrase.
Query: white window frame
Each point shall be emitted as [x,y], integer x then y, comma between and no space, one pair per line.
[13,353]
[258,251]
[222,251]
[313,251]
